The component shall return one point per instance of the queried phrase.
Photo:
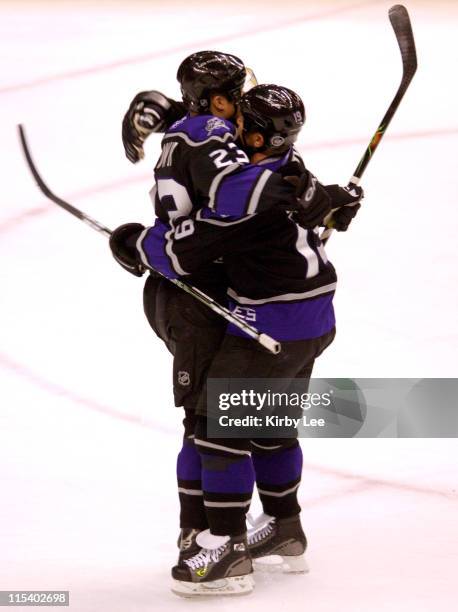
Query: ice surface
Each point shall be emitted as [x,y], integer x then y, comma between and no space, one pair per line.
[88,434]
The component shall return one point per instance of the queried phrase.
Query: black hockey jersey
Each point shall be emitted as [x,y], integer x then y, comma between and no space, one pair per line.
[279,277]
[200,166]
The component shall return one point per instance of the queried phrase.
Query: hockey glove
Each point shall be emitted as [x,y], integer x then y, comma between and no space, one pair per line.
[314,202]
[345,205]
[146,114]
[123,247]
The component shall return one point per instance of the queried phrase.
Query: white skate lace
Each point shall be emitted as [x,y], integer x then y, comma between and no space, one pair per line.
[204,557]
[258,521]
[257,535]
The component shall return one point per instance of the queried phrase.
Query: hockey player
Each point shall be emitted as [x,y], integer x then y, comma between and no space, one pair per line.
[294,295]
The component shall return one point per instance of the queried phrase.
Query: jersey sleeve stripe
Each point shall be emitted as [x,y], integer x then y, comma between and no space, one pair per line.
[304,248]
[155,249]
[173,258]
[139,245]
[216,182]
[257,191]
[285,297]
[223,222]
[236,190]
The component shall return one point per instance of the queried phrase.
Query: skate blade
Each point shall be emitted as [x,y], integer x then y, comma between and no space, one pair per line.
[285,564]
[236,585]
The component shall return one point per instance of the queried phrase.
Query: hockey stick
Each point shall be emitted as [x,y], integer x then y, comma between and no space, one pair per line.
[266,341]
[400,21]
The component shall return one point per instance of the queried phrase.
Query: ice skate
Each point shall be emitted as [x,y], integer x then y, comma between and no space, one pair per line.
[278,545]
[221,567]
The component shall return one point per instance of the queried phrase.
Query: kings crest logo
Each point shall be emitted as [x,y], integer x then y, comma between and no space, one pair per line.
[183,378]
[214,124]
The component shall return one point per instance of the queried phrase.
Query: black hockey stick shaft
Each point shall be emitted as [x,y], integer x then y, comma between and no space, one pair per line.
[52,196]
[400,21]
[266,341]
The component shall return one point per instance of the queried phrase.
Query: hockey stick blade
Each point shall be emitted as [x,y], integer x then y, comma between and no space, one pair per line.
[52,196]
[400,22]
[402,27]
[266,341]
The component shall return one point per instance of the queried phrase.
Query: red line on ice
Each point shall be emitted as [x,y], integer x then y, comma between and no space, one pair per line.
[57,390]
[12,222]
[379,482]
[330,144]
[185,47]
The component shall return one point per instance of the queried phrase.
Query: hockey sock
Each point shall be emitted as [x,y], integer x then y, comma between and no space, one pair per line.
[278,476]
[227,481]
[192,511]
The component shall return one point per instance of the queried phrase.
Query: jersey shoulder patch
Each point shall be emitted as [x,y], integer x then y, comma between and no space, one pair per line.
[216,125]
[202,128]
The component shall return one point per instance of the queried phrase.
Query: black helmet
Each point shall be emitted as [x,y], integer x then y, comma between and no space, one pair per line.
[277,112]
[207,72]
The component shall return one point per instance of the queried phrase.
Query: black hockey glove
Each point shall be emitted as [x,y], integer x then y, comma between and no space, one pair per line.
[345,203]
[146,114]
[123,247]
[314,201]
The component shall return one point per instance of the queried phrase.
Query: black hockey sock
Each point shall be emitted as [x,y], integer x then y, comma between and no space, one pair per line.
[192,511]
[227,481]
[278,476]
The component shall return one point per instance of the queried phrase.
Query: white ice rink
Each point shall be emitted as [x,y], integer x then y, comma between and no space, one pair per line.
[86,417]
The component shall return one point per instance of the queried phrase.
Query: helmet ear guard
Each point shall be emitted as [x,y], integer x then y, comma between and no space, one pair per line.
[276,140]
